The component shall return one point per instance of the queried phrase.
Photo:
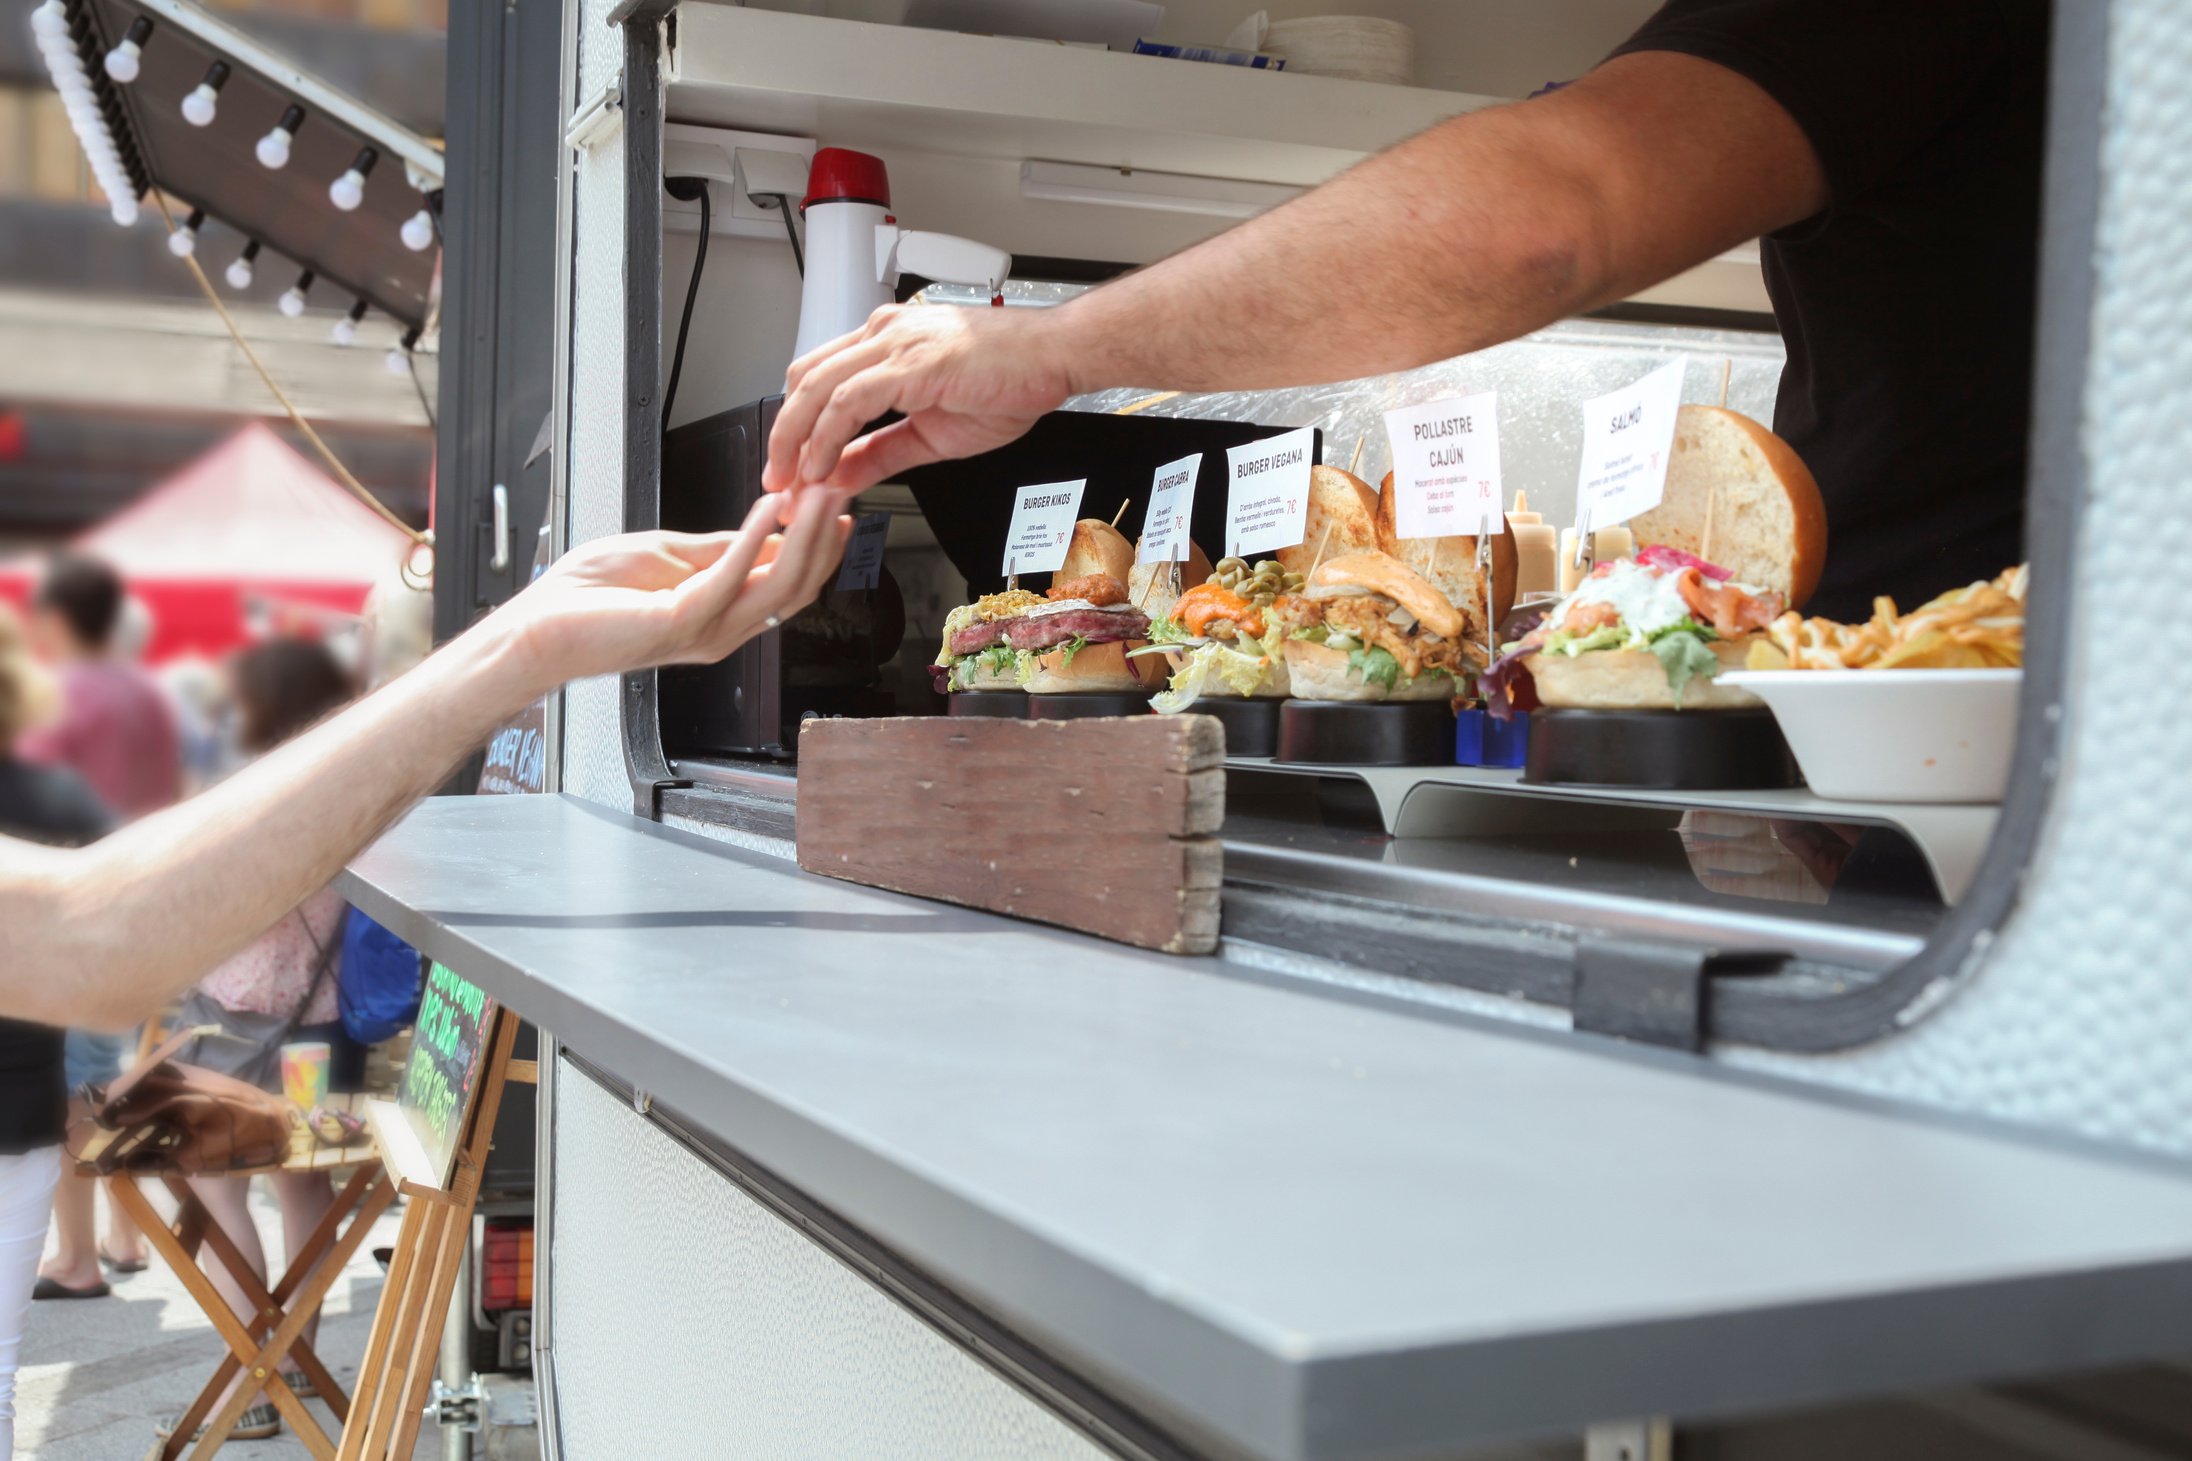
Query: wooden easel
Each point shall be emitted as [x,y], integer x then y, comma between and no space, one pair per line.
[400,1356]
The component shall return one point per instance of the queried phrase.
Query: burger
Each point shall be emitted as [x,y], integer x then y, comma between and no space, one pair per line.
[1074,637]
[1368,627]
[1644,633]
[1219,637]
[1654,632]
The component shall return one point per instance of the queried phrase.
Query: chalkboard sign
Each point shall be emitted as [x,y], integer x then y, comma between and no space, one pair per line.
[447,1045]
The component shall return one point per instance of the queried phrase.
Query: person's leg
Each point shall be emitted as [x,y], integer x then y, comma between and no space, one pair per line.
[228,1202]
[26,1200]
[124,1246]
[75,1260]
[305,1198]
[96,1059]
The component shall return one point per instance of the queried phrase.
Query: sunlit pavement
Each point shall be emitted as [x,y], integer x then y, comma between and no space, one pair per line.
[97,1374]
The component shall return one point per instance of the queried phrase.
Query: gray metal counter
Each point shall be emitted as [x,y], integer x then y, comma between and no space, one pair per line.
[1311,1226]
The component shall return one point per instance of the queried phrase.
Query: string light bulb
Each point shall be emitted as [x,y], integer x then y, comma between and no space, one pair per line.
[239,273]
[183,242]
[50,19]
[122,60]
[199,107]
[418,231]
[348,191]
[273,148]
[292,301]
[346,328]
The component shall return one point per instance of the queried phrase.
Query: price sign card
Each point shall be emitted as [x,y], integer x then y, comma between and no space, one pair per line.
[1171,509]
[1042,526]
[1446,467]
[1626,438]
[863,565]
[1267,493]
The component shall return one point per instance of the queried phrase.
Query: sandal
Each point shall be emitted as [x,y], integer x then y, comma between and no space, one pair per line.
[47,1288]
[259,1423]
[137,1265]
[300,1385]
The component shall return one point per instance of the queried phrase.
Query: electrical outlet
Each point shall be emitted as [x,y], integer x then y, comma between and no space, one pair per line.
[712,152]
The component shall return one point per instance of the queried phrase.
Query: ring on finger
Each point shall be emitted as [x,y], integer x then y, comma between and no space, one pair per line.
[772,621]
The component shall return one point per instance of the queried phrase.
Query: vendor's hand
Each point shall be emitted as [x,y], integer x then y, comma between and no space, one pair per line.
[644,599]
[965,380]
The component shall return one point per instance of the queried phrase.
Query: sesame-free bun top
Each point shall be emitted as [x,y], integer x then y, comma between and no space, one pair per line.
[1342,519]
[1381,573]
[1740,498]
[1097,547]
[1449,564]
[1148,586]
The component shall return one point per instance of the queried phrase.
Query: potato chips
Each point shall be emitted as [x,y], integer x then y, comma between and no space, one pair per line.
[1978,627]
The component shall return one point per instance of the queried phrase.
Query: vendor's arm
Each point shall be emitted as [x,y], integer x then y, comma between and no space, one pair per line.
[99,936]
[1479,230]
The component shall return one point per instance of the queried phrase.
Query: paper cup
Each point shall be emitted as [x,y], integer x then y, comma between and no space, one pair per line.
[304,1073]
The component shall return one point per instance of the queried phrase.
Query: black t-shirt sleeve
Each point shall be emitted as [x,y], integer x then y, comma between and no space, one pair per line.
[1870,82]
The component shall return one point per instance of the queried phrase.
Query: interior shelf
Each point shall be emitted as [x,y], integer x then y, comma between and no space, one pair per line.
[1450,801]
[901,89]
[860,85]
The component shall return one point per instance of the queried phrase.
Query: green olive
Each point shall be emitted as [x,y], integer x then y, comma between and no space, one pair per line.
[1229,566]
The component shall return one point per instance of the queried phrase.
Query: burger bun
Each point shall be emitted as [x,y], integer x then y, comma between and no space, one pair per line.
[1634,679]
[1320,673]
[1739,497]
[1342,518]
[1096,667]
[1096,547]
[1148,585]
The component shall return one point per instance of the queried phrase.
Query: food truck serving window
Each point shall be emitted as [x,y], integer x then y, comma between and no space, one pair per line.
[1459,864]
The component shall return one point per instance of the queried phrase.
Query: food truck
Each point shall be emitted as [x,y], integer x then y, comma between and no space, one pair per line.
[1510,1108]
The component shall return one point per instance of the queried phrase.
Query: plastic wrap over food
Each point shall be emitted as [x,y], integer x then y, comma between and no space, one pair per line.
[1543,379]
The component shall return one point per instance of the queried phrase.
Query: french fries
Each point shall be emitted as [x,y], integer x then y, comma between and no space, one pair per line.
[1978,627]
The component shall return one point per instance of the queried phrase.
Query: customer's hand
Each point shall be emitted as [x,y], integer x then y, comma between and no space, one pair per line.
[643,599]
[965,380]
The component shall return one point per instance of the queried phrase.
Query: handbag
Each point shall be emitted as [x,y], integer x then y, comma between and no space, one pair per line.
[378,989]
[171,1117]
[246,1044]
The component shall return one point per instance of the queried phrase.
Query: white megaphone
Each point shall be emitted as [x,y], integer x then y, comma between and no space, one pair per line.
[856,250]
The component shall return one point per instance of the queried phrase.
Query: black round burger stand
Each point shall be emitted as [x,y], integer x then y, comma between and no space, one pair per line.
[1367,733]
[1697,750]
[996,704]
[1251,725]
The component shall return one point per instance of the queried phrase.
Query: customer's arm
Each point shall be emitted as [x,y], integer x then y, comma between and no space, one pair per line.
[1479,230]
[98,936]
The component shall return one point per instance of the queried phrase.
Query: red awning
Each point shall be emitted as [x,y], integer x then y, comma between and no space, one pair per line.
[250,523]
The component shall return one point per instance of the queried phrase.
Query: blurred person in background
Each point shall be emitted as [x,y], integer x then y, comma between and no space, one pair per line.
[116,731]
[197,692]
[278,989]
[50,805]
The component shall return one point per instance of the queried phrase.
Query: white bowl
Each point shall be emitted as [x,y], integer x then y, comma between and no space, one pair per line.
[1895,735]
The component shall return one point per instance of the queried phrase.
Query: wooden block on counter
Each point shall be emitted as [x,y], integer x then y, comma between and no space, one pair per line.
[1105,826]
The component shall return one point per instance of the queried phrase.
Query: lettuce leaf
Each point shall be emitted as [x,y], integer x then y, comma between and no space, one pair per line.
[1216,669]
[1612,636]
[1684,626]
[1073,647]
[998,659]
[1684,657]
[1376,666]
[1164,631]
